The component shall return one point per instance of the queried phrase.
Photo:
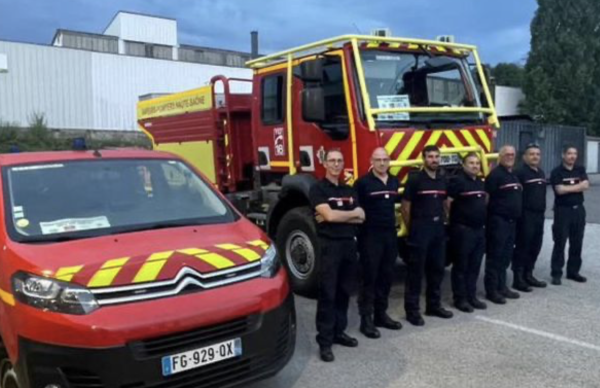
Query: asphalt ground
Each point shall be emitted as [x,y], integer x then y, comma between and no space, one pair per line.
[548,338]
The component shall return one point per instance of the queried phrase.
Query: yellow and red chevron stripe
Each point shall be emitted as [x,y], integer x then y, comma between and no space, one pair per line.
[408,144]
[416,47]
[163,265]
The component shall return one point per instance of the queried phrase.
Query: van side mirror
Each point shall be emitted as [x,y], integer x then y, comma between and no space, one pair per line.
[313,105]
[312,71]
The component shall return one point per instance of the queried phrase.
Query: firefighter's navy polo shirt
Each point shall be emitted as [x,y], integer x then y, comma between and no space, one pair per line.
[426,196]
[469,205]
[339,197]
[534,188]
[506,193]
[563,176]
[377,200]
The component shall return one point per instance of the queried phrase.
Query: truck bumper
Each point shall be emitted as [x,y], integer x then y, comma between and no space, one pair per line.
[268,342]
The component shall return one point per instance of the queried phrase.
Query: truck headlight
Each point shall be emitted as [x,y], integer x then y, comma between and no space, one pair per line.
[53,295]
[270,263]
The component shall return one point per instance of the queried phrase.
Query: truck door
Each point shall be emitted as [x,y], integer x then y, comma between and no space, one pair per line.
[324,120]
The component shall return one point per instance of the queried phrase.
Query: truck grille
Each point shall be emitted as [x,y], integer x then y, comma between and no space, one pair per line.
[187,280]
[193,338]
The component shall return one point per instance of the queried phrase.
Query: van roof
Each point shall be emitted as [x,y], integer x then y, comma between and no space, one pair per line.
[58,156]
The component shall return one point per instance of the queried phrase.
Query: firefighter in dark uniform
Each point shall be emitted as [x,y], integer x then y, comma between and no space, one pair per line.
[424,207]
[504,209]
[530,228]
[467,233]
[569,182]
[337,215]
[378,244]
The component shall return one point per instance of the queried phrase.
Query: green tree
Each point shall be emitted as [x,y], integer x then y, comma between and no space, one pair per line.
[562,75]
[508,74]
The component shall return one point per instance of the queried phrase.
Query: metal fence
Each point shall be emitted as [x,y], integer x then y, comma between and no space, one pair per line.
[551,138]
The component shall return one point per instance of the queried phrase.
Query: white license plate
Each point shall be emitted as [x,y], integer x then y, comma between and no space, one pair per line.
[449,159]
[199,357]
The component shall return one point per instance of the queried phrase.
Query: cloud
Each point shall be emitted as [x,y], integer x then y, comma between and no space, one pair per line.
[499,28]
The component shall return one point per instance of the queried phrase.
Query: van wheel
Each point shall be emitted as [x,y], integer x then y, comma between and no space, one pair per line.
[298,244]
[8,375]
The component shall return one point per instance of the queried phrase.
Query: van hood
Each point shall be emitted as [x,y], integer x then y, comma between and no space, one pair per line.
[147,256]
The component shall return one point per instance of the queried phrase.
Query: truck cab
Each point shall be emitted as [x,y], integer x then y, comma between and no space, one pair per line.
[353,93]
[126,268]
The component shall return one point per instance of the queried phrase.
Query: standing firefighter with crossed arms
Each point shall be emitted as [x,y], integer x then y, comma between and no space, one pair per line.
[569,182]
[337,214]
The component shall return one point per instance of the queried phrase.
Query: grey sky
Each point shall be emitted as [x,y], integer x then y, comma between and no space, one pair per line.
[499,28]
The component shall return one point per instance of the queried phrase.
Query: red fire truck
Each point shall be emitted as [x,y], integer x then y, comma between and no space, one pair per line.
[265,148]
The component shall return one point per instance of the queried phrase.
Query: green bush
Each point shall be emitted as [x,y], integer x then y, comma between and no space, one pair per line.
[38,137]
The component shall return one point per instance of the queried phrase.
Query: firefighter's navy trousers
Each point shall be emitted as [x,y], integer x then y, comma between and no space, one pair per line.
[500,248]
[467,248]
[337,280]
[378,249]
[569,223]
[427,244]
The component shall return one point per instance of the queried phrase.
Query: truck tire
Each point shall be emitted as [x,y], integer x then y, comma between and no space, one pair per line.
[299,249]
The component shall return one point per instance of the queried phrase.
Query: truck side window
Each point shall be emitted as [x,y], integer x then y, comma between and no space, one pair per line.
[335,97]
[272,99]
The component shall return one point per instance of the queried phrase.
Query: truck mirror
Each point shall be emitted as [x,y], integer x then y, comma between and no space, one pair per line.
[312,71]
[313,105]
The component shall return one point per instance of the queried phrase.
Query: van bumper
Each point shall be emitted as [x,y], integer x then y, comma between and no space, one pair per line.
[268,342]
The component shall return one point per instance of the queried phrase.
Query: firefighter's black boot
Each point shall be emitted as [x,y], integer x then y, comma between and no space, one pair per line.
[519,282]
[367,327]
[533,282]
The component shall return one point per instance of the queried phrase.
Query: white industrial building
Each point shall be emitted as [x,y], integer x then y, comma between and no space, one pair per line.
[85,81]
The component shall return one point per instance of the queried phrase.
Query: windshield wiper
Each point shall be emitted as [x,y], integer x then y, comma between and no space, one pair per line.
[158,225]
[62,238]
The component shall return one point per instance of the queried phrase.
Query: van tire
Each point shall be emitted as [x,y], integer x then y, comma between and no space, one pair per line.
[299,249]
[8,375]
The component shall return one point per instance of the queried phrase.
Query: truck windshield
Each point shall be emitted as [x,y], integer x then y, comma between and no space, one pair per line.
[402,79]
[79,199]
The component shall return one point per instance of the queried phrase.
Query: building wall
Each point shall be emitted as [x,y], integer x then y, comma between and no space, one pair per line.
[77,89]
[551,138]
[142,28]
[507,100]
[593,155]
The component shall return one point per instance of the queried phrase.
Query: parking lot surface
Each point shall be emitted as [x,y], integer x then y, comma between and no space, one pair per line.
[548,338]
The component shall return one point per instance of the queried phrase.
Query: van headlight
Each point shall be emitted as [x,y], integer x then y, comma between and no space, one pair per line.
[270,263]
[53,295]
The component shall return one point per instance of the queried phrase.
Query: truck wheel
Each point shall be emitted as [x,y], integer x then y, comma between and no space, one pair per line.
[299,247]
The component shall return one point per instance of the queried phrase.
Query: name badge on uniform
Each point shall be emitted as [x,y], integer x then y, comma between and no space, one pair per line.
[340,203]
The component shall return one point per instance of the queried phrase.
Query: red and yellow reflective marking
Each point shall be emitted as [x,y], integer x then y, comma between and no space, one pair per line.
[213,259]
[152,267]
[259,244]
[403,146]
[67,273]
[108,272]
[246,253]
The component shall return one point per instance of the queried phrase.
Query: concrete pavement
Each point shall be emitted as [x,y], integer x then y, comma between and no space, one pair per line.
[548,338]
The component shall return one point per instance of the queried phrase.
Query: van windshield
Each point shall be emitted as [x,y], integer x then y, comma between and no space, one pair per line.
[70,200]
